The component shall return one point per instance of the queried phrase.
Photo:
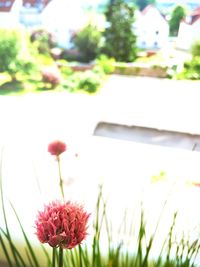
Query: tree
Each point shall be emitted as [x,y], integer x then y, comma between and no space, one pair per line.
[88,42]
[120,41]
[141,4]
[9,47]
[177,15]
[15,56]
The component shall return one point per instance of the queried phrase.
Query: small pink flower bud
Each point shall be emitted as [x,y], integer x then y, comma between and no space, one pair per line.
[56,148]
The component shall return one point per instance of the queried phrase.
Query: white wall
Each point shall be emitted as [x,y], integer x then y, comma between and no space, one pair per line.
[30,17]
[152,30]
[61,19]
[11,19]
[187,35]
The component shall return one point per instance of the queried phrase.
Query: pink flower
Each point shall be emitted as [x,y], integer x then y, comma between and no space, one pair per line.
[57,147]
[62,224]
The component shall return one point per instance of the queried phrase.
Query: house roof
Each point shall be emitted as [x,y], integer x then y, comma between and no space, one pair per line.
[194,16]
[6,5]
[148,8]
[40,4]
[196,11]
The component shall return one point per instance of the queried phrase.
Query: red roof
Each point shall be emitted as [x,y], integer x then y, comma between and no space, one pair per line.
[6,5]
[147,8]
[194,19]
[33,3]
[196,11]
[194,16]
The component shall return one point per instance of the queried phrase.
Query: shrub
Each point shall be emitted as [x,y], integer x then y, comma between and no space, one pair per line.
[195,50]
[64,68]
[51,76]
[44,40]
[89,81]
[87,41]
[191,69]
[71,83]
[106,63]
[71,55]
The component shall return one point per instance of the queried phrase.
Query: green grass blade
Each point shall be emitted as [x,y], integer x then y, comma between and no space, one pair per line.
[32,254]
[15,249]
[5,252]
[47,256]
[29,258]
[72,259]
[86,257]
[11,245]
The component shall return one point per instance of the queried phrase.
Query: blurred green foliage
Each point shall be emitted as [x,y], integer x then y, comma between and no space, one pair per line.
[43,40]
[16,55]
[177,15]
[89,81]
[120,41]
[191,69]
[88,42]
[107,64]
[195,49]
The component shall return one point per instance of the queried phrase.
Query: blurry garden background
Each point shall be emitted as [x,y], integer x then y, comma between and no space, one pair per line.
[118,82]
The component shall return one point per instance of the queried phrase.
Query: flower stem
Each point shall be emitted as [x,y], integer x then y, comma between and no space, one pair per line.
[60,263]
[80,256]
[60,178]
[54,257]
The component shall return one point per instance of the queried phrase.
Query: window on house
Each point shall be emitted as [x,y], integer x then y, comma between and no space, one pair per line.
[157,32]
[155,44]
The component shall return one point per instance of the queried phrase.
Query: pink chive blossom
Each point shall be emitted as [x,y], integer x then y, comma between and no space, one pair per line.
[57,147]
[62,224]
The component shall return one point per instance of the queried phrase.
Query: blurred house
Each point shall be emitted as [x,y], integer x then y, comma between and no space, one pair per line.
[189,30]
[9,13]
[151,28]
[63,19]
[31,13]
